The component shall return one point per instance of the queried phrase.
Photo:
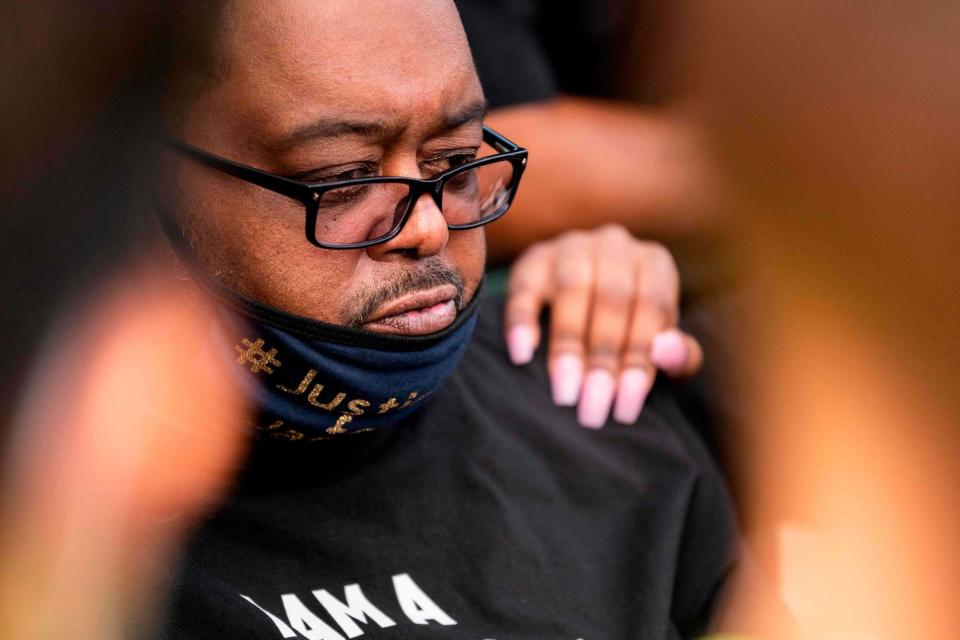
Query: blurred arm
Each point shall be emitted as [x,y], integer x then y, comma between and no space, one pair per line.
[594,162]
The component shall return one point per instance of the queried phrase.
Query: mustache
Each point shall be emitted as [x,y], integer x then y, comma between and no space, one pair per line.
[428,274]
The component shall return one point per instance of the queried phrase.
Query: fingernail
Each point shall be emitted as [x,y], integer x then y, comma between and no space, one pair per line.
[520,344]
[632,393]
[668,350]
[565,379]
[598,392]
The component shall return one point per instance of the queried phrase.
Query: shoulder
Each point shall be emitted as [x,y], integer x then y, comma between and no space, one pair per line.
[488,390]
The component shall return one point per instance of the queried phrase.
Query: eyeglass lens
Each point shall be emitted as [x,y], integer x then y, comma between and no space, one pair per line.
[372,211]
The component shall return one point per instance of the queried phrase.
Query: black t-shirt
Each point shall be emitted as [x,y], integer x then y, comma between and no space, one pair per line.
[489,514]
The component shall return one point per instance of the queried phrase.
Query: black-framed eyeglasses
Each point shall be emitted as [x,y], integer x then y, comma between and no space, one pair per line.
[361,212]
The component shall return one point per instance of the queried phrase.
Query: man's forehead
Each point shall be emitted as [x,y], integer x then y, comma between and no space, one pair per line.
[298,67]
[281,21]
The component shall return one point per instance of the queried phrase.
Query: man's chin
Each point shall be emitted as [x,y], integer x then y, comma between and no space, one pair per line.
[416,322]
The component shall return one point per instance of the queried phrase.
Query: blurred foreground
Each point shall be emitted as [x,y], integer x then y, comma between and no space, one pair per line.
[835,126]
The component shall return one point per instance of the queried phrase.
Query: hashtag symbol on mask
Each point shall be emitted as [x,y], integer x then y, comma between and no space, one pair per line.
[253,354]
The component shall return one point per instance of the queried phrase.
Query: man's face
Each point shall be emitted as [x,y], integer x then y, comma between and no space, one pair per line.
[334,89]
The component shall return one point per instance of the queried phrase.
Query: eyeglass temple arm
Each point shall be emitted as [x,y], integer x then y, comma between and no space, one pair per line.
[498,141]
[278,184]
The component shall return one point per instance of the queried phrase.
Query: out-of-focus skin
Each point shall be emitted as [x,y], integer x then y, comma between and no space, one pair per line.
[613,310]
[595,162]
[109,457]
[115,456]
[836,127]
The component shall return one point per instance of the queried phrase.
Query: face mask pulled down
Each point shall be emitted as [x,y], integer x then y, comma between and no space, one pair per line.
[312,381]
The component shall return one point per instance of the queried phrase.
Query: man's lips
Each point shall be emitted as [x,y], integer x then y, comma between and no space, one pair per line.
[416,313]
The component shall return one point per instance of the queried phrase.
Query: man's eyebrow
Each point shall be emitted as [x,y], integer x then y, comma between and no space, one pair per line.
[473,112]
[332,128]
[372,129]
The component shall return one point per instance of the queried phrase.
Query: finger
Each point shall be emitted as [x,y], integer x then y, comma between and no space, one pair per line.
[632,390]
[572,283]
[676,353]
[658,293]
[613,298]
[527,290]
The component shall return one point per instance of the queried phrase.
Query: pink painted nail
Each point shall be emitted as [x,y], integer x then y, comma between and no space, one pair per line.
[565,378]
[668,350]
[634,387]
[520,344]
[598,390]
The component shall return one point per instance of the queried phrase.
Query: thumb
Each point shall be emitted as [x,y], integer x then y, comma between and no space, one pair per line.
[676,353]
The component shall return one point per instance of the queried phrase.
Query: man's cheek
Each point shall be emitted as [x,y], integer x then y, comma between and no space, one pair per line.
[324,294]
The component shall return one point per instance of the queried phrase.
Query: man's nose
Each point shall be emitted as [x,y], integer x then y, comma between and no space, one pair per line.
[424,234]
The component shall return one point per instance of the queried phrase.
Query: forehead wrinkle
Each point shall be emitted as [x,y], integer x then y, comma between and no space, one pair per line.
[382,130]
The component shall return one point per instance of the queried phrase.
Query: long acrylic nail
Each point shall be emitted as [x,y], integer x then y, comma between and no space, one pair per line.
[668,351]
[520,344]
[632,393]
[598,390]
[566,375]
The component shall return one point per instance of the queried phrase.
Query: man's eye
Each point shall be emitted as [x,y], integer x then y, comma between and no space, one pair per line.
[452,161]
[352,174]
[461,159]
[337,174]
